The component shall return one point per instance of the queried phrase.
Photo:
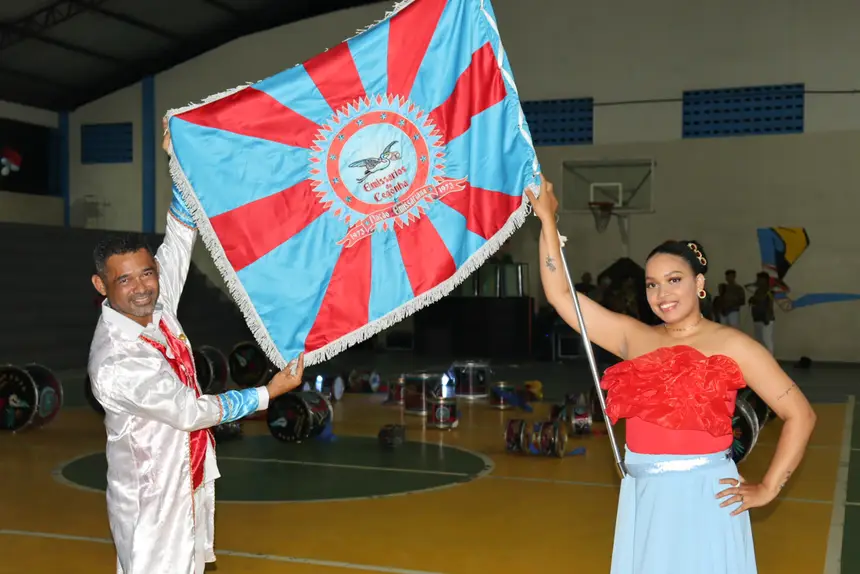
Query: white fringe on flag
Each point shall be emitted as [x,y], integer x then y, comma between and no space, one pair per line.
[237,290]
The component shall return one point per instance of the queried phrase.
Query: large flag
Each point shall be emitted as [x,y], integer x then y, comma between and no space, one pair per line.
[780,248]
[344,194]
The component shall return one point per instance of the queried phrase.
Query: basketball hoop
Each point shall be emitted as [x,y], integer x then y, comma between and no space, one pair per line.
[602,211]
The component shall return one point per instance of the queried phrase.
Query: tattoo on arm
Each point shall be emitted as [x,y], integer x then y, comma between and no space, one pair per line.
[550,263]
[787,476]
[791,388]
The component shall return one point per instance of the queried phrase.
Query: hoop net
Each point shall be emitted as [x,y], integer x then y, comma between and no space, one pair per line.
[602,211]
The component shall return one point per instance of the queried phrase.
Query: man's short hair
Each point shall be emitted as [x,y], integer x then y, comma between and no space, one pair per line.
[731,272]
[117,244]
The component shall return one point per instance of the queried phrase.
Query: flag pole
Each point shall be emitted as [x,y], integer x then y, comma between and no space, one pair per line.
[619,463]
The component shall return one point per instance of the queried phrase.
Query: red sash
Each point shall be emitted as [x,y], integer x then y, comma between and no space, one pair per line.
[182,363]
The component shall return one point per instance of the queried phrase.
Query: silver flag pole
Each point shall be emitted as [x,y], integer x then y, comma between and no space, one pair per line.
[622,469]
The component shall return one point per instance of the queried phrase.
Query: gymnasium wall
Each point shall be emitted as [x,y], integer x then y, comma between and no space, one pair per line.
[25,207]
[635,60]
[106,190]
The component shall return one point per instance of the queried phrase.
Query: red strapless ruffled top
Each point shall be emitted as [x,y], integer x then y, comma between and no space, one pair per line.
[676,400]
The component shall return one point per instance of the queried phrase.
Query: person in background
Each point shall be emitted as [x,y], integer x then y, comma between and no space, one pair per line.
[717,307]
[161,466]
[585,286]
[733,300]
[683,506]
[761,307]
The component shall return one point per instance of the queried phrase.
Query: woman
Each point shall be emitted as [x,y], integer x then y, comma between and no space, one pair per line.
[682,507]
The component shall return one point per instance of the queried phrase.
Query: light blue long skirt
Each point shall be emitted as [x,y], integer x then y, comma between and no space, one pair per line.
[670,521]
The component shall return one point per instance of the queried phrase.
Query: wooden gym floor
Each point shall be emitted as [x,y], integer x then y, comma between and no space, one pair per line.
[449,502]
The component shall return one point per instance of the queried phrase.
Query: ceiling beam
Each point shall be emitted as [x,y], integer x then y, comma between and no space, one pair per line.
[36,78]
[35,23]
[94,6]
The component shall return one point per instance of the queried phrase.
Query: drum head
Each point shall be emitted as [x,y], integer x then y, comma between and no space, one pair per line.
[19,398]
[375,381]
[338,388]
[50,393]
[759,407]
[249,366]
[745,430]
[220,369]
[289,418]
[205,370]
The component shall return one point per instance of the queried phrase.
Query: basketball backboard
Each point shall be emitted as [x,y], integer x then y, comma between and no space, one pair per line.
[627,183]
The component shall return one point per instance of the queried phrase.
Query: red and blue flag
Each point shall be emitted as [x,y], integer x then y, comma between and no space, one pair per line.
[341,195]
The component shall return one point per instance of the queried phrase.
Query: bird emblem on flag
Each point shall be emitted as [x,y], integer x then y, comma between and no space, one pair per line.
[343,194]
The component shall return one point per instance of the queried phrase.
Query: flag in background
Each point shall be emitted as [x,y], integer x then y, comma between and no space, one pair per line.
[344,194]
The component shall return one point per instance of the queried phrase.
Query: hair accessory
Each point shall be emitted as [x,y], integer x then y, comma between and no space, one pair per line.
[695,249]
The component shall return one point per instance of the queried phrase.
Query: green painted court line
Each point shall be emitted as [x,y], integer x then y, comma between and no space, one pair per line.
[836,553]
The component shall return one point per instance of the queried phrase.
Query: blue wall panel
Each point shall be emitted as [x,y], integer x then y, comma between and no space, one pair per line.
[560,122]
[732,112]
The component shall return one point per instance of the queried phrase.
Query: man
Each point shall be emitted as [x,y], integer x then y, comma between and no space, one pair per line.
[733,300]
[761,306]
[160,451]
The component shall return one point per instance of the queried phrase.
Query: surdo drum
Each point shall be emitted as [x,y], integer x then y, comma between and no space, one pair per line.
[517,436]
[442,413]
[472,379]
[249,366]
[298,416]
[395,392]
[417,387]
[745,430]
[213,369]
[501,395]
[50,393]
[330,387]
[19,398]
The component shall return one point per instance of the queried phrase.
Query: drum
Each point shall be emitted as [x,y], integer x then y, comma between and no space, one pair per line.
[596,411]
[362,381]
[395,392]
[50,389]
[415,392]
[580,423]
[19,398]
[543,438]
[472,379]
[560,439]
[442,413]
[759,407]
[440,386]
[744,429]
[91,398]
[213,369]
[516,436]
[294,417]
[392,436]
[227,432]
[249,366]
[502,395]
[330,387]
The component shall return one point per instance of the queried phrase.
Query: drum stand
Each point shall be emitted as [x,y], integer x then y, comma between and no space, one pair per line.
[622,469]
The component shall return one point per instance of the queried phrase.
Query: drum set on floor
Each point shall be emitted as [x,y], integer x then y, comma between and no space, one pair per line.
[30,397]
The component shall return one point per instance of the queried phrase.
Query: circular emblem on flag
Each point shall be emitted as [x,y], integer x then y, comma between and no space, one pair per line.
[379,162]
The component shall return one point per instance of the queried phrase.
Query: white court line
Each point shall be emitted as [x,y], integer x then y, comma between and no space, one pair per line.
[269,557]
[833,558]
[350,466]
